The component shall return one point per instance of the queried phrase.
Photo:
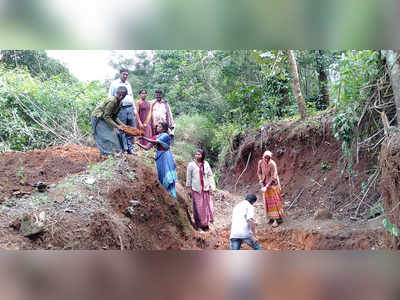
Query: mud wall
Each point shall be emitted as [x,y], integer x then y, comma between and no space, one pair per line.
[310,164]
[390,181]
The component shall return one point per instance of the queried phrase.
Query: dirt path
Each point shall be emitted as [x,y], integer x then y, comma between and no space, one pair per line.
[300,231]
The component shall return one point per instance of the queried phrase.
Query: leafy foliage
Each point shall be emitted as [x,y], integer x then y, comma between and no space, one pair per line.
[194,132]
[37,113]
[357,70]
[37,62]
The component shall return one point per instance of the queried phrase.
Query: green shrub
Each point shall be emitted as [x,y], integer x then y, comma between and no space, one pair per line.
[193,132]
[37,113]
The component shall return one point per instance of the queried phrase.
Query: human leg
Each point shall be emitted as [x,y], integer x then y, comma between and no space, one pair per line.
[235,244]
[252,243]
[107,138]
[130,121]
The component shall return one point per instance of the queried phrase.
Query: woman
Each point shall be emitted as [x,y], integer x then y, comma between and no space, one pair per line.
[200,183]
[106,125]
[164,160]
[270,186]
[144,112]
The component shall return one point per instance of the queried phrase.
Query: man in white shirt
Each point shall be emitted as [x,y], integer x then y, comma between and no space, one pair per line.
[162,113]
[127,113]
[243,227]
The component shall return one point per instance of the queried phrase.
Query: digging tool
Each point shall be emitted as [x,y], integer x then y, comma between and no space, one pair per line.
[263,190]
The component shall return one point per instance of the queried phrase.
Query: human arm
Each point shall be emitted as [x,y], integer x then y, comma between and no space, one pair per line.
[189,175]
[250,220]
[210,176]
[119,122]
[139,122]
[149,140]
[171,124]
[112,89]
[145,147]
[273,173]
[252,225]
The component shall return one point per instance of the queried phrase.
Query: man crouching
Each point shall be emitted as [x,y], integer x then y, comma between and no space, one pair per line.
[243,227]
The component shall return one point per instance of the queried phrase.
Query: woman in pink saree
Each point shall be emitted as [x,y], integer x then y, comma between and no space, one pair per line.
[144,119]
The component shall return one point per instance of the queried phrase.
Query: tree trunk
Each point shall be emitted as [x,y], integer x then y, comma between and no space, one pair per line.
[296,85]
[322,81]
[394,71]
[390,156]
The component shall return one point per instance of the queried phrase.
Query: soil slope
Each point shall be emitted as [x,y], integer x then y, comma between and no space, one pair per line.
[117,203]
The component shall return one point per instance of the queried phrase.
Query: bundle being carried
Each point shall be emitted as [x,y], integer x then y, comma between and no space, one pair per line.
[132,131]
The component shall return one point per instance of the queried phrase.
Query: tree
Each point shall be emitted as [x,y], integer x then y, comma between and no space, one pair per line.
[322,79]
[296,85]
[37,62]
[394,72]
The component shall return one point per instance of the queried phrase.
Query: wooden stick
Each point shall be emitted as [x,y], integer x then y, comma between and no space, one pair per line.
[248,159]
[298,196]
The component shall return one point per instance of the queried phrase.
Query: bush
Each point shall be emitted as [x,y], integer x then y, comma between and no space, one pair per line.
[37,113]
[193,132]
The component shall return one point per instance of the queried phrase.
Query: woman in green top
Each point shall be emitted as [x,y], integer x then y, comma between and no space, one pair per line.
[106,125]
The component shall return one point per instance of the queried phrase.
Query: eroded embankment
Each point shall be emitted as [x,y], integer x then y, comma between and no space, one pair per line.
[311,167]
[113,204]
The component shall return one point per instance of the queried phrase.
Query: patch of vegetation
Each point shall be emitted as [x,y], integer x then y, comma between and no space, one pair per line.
[325,167]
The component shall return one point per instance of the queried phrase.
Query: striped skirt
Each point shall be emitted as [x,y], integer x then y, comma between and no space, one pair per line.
[273,203]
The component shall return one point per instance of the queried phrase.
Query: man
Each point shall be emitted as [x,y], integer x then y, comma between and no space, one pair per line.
[162,113]
[107,126]
[127,113]
[243,227]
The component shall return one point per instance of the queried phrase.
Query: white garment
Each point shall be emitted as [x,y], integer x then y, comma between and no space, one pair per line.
[128,100]
[159,114]
[193,177]
[242,212]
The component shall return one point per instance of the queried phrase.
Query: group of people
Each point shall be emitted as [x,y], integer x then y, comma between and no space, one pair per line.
[154,118]
[156,121]
[120,109]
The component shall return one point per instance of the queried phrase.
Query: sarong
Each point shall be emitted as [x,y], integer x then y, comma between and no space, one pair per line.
[144,109]
[109,140]
[165,164]
[273,203]
[203,210]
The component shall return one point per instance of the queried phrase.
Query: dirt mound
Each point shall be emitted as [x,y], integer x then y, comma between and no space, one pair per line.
[117,203]
[49,165]
[310,166]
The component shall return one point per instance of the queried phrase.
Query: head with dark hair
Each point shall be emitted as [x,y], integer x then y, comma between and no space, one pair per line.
[123,74]
[159,95]
[122,89]
[200,155]
[121,92]
[162,127]
[143,95]
[251,198]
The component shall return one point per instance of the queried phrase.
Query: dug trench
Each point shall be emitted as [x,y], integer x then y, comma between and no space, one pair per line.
[119,204]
